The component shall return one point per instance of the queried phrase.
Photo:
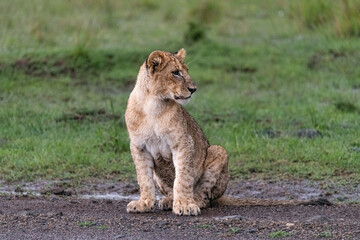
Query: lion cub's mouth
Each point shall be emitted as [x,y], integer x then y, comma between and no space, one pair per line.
[177,97]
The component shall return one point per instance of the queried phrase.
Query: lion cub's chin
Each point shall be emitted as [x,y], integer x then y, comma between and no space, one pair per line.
[182,101]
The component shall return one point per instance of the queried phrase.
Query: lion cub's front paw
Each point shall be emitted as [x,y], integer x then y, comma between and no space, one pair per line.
[186,207]
[139,206]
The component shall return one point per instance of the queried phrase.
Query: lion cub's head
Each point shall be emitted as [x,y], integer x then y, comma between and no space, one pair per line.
[169,77]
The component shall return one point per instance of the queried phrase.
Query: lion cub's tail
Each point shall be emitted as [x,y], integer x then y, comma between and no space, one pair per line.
[233,201]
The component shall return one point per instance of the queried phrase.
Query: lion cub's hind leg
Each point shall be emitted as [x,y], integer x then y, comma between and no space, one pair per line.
[214,180]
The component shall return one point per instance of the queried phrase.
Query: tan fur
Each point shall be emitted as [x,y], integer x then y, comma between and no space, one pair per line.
[167,145]
[169,149]
[232,201]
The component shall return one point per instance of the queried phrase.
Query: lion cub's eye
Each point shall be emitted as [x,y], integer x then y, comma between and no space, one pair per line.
[176,73]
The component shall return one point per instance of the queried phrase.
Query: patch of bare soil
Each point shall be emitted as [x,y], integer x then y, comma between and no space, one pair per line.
[44,68]
[90,115]
[58,210]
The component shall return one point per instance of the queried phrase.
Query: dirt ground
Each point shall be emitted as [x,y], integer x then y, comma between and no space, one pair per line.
[58,210]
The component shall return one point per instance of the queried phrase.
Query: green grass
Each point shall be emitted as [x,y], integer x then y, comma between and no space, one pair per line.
[339,18]
[279,234]
[86,224]
[204,226]
[235,230]
[324,235]
[102,227]
[66,71]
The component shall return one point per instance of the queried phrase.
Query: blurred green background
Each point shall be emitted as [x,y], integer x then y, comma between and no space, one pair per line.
[278,83]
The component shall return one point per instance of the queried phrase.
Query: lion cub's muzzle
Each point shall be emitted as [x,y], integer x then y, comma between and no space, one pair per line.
[191,90]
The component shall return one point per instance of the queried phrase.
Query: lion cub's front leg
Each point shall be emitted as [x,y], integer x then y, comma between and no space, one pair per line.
[184,203]
[144,170]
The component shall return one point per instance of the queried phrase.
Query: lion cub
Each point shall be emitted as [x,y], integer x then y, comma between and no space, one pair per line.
[169,149]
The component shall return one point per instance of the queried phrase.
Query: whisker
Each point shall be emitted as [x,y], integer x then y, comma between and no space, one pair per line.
[191,61]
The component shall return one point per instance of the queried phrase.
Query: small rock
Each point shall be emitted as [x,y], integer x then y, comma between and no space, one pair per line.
[289,225]
[54,214]
[23,213]
[162,224]
[250,230]
[68,193]
[58,191]
[120,236]
[50,214]
[34,214]
[54,199]
[233,217]
[318,218]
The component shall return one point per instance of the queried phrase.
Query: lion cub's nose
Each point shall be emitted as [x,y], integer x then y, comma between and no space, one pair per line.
[192,90]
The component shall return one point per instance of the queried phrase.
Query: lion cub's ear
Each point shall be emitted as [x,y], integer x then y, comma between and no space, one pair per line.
[181,54]
[156,61]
